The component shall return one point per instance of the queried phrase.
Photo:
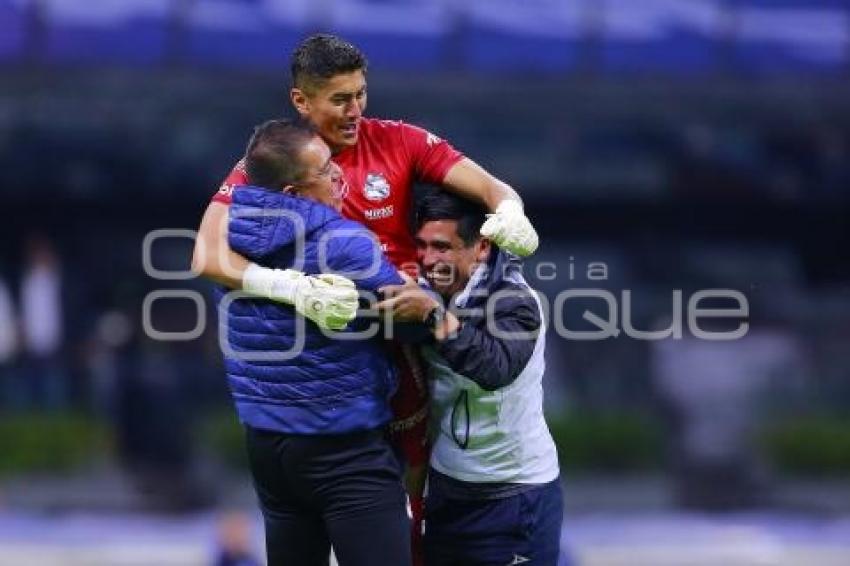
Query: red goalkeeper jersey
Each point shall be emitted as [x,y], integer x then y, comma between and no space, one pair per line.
[380,171]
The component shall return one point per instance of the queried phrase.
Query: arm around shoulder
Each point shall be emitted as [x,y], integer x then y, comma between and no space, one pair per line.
[494,350]
[468,179]
[212,256]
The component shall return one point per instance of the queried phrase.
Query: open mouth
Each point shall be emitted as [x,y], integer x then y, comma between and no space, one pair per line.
[349,130]
[440,277]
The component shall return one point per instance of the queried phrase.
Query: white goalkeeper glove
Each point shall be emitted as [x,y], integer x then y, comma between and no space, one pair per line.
[328,300]
[510,229]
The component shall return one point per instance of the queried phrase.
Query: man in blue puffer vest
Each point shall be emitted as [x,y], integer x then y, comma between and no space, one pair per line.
[314,402]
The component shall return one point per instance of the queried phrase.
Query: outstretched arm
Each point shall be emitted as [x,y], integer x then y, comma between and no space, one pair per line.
[469,180]
[507,226]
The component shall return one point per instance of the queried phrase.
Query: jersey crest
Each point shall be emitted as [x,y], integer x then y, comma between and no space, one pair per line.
[376,187]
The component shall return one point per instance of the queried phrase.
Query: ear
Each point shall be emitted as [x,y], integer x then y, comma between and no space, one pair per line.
[482,252]
[300,101]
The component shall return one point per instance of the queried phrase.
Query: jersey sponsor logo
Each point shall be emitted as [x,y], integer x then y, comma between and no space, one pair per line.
[431,139]
[226,190]
[376,187]
[378,213]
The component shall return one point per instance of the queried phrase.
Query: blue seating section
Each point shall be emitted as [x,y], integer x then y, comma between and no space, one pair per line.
[792,35]
[536,36]
[13,30]
[135,42]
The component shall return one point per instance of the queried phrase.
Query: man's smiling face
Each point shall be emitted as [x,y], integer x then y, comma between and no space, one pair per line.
[335,107]
[447,261]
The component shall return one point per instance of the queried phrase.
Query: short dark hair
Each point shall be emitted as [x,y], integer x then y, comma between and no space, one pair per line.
[323,56]
[271,159]
[437,204]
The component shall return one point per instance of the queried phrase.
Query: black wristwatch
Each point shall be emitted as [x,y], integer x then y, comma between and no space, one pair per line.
[435,317]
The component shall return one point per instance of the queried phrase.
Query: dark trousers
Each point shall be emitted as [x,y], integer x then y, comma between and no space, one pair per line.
[340,490]
[519,529]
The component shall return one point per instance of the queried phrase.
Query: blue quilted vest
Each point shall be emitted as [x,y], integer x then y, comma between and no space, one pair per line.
[286,374]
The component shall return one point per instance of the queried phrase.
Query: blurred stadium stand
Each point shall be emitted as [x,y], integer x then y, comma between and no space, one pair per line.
[684,143]
[691,36]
